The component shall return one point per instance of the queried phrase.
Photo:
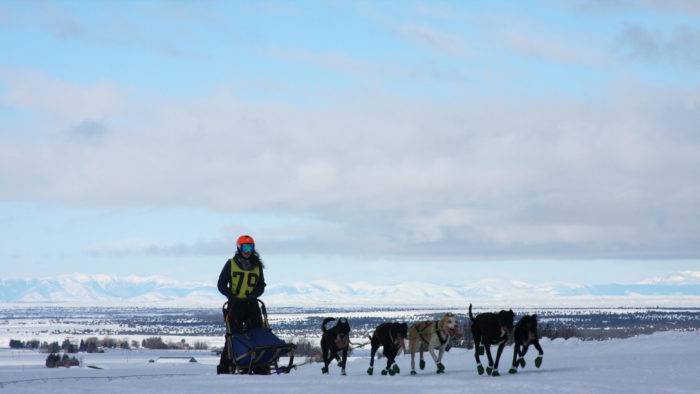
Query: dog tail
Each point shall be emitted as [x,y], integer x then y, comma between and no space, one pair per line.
[471,317]
[326,321]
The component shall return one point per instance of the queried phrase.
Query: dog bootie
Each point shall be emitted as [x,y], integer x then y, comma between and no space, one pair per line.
[370,371]
[324,370]
[341,364]
[489,369]
[481,350]
[495,373]
[384,372]
[512,370]
[343,373]
[413,373]
[440,368]
[421,364]
[520,361]
[395,368]
[538,361]
[392,372]
[480,369]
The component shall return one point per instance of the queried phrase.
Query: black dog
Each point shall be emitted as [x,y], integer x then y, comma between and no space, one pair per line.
[334,340]
[391,337]
[490,329]
[524,335]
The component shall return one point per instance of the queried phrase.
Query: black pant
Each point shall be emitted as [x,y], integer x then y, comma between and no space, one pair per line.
[244,314]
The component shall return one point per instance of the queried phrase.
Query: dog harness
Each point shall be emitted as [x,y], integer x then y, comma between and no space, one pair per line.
[437,330]
[243,281]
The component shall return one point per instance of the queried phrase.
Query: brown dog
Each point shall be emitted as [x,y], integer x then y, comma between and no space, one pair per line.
[431,335]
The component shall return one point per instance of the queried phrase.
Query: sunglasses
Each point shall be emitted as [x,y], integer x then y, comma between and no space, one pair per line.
[247,248]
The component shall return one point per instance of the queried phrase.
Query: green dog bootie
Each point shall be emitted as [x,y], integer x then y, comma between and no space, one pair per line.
[384,372]
[480,369]
[395,368]
[512,370]
[392,372]
[481,350]
[421,364]
[489,369]
[538,361]
[413,373]
[370,371]
[520,361]
[440,368]
[495,373]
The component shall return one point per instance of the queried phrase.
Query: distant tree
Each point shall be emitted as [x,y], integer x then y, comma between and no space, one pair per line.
[32,344]
[200,345]
[123,344]
[82,347]
[154,343]
[135,344]
[16,344]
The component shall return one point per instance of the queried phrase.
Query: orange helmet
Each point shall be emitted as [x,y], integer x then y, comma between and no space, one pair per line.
[244,239]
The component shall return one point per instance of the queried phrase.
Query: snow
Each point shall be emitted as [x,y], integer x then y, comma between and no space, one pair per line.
[662,362]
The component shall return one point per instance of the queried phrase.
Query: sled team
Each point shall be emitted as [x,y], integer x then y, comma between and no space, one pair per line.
[242,282]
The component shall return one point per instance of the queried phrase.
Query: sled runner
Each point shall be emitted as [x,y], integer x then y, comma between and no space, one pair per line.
[255,350]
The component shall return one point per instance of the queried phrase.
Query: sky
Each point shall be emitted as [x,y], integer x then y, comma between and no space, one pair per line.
[376,141]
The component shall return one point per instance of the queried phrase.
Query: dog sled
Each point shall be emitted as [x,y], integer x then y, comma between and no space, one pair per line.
[255,350]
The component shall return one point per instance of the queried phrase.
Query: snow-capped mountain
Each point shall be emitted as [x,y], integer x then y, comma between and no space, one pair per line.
[105,290]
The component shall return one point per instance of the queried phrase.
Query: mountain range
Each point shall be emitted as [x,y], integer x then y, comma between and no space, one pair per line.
[106,290]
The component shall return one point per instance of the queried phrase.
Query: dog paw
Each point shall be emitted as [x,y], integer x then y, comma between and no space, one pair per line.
[396,368]
[538,361]
[421,364]
[495,373]
[343,373]
[440,368]
[512,370]
[384,372]
[489,370]
[324,370]
[413,373]
[370,371]
[480,369]
[521,361]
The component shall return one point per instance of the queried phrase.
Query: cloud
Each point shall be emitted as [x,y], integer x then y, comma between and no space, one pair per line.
[479,176]
[669,6]
[680,47]
[436,40]
[551,49]
[677,278]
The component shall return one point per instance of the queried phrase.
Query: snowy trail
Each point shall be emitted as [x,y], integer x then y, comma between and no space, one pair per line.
[663,362]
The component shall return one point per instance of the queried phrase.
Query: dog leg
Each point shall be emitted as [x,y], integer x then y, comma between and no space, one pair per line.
[413,360]
[514,365]
[345,360]
[538,360]
[370,370]
[421,363]
[477,345]
[498,358]
[391,361]
[440,366]
[326,358]
[521,360]
[489,369]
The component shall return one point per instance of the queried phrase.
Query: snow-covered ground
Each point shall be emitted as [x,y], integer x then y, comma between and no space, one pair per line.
[662,362]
